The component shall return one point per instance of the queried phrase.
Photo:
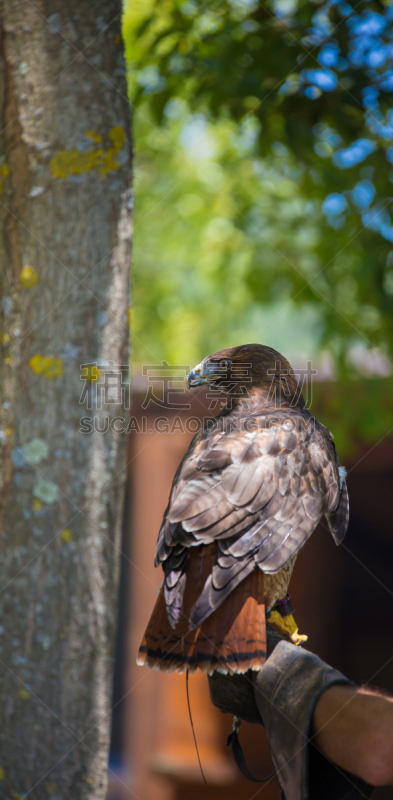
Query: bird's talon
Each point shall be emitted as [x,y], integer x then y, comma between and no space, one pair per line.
[287,627]
[298,638]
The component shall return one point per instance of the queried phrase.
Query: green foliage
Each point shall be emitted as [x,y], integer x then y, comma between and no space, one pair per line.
[234,161]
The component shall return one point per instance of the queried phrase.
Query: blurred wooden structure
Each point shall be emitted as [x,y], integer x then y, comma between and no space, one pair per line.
[338,594]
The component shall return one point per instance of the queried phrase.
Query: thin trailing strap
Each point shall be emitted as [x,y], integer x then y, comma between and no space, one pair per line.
[237,750]
[192,728]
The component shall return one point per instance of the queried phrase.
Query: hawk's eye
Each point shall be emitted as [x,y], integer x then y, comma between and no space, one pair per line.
[224,363]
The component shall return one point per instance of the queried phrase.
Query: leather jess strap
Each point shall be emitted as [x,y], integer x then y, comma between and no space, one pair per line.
[237,750]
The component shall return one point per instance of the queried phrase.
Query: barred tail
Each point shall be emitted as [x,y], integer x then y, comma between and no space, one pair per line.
[231,640]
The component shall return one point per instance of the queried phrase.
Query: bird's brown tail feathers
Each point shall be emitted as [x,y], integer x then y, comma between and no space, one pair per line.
[231,640]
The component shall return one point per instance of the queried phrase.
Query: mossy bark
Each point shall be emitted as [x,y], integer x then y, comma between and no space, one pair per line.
[65,240]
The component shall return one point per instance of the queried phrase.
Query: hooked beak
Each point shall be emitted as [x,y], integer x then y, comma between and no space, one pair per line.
[195,377]
[202,373]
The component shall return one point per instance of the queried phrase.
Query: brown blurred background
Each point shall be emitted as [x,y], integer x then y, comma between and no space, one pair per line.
[343,600]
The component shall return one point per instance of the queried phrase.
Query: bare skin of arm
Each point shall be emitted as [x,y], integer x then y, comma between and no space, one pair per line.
[354,728]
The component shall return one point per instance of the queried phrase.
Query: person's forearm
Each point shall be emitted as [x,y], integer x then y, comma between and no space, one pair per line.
[354,728]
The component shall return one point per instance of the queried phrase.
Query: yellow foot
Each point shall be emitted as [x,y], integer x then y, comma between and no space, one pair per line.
[287,626]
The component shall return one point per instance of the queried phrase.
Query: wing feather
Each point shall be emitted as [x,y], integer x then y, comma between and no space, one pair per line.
[197,496]
[258,494]
[338,519]
[243,481]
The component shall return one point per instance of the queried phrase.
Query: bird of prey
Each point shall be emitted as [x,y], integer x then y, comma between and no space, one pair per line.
[249,492]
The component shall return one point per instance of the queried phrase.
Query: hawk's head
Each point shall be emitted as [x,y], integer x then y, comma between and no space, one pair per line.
[248,370]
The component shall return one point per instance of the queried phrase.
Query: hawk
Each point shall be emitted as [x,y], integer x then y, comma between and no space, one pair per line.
[249,492]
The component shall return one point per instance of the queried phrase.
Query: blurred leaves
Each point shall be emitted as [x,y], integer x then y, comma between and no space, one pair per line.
[263,183]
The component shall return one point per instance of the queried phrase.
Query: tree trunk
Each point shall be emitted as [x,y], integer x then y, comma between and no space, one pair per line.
[65,239]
